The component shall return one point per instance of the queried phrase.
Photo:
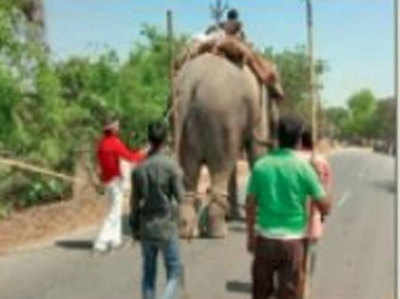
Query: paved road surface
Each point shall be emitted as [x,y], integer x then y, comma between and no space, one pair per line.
[355,259]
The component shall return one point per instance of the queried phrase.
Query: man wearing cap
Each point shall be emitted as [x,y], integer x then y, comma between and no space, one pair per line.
[110,151]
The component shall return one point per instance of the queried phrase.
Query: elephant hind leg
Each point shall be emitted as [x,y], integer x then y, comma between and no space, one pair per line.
[234,212]
[188,224]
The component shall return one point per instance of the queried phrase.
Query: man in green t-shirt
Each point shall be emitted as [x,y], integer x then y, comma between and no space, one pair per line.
[276,211]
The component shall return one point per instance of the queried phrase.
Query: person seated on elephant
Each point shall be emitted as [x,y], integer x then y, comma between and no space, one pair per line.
[236,49]
[233,26]
[279,188]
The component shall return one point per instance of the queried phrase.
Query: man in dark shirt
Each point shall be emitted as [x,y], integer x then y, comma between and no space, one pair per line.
[157,189]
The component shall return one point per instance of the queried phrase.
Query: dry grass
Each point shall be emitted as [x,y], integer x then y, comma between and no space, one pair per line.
[46,222]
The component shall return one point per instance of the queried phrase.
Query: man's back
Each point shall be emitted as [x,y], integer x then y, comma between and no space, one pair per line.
[157,184]
[281,183]
[159,178]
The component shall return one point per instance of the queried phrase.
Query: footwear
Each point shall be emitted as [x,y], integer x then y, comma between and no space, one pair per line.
[120,245]
[97,251]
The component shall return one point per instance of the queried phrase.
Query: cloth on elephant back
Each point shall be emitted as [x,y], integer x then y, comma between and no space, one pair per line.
[235,51]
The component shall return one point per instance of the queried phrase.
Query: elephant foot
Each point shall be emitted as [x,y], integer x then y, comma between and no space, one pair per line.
[235,214]
[217,227]
[188,222]
[193,233]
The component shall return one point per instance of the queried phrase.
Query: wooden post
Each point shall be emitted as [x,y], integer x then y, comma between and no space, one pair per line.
[397,94]
[310,254]
[312,70]
[171,107]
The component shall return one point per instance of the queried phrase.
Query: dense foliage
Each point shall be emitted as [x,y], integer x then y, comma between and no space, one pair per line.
[364,118]
[50,110]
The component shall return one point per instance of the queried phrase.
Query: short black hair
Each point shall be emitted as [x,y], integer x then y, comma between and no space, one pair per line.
[306,139]
[290,130]
[157,133]
[233,14]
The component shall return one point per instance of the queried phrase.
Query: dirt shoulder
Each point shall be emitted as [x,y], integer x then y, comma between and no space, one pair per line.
[45,223]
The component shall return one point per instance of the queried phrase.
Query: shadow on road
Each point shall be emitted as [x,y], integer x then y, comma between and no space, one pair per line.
[238,229]
[238,286]
[387,185]
[75,244]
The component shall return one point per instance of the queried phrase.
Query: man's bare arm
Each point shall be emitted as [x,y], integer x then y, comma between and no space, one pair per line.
[324,205]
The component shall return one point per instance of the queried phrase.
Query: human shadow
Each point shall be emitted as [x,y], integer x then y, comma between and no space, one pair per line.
[387,185]
[88,244]
[238,286]
[75,244]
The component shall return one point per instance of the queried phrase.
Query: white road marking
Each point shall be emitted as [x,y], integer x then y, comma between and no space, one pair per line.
[344,198]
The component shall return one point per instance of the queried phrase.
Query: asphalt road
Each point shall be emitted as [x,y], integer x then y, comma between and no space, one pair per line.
[355,258]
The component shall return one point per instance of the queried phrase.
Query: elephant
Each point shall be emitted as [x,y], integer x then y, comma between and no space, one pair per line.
[221,111]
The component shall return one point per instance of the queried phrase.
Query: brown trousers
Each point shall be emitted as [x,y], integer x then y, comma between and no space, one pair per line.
[286,259]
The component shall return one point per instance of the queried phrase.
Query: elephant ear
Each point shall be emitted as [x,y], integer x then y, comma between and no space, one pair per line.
[275,89]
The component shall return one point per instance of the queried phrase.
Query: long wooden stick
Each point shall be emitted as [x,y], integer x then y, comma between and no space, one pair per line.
[36,169]
[310,254]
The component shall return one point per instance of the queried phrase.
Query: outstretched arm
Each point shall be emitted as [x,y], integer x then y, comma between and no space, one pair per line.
[130,155]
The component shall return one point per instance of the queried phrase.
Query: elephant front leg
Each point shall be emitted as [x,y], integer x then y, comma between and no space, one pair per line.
[218,206]
[217,211]
[188,219]
[234,212]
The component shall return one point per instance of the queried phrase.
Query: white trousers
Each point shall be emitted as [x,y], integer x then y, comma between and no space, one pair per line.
[111,230]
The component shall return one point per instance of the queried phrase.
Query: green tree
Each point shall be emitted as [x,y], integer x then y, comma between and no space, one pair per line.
[338,117]
[384,120]
[362,106]
[293,66]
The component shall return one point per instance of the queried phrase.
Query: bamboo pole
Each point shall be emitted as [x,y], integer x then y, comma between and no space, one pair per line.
[310,254]
[171,100]
[312,70]
[36,169]
[397,94]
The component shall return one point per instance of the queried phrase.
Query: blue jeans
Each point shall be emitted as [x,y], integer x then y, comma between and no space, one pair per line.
[172,263]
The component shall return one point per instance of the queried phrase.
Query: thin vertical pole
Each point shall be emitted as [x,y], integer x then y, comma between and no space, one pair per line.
[310,248]
[312,70]
[171,106]
[396,97]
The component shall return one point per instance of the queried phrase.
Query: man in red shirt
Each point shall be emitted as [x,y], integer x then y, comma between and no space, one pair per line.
[110,151]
